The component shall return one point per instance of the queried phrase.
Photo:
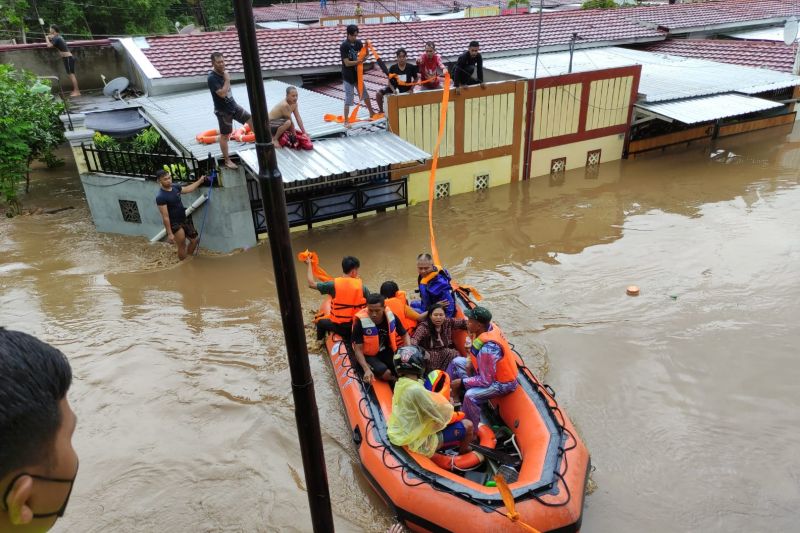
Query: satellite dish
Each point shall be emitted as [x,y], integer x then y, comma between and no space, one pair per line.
[790,31]
[186,30]
[115,87]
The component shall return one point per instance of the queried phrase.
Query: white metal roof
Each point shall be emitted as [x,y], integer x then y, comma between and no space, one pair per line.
[707,108]
[341,155]
[281,25]
[664,77]
[763,34]
[183,115]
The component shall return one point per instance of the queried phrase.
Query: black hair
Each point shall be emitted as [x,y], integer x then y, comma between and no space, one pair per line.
[34,378]
[375,298]
[474,44]
[215,55]
[431,44]
[352,29]
[424,256]
[290,88]
[55,28]
[389,289]
[160,173]
[400,51]
[433,308]
[349,263]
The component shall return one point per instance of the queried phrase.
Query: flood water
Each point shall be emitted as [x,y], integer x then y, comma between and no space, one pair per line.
[687,396]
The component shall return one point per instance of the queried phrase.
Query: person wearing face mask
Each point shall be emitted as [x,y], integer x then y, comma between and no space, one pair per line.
[38,464]
[435,336]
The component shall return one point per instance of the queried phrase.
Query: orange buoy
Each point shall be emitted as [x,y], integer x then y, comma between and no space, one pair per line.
[207,137]
[632,290]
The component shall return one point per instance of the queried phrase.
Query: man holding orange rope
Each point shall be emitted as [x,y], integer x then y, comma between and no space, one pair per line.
[349,51]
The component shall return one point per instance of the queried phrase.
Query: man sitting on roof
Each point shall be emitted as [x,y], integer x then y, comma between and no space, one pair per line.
[491,370]
[280,117]
[420,418]
[430,67]
[399,73]
[349,296]
[434,286]
[375,339]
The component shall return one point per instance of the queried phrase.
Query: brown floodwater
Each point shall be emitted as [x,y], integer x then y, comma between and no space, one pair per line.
[687,395]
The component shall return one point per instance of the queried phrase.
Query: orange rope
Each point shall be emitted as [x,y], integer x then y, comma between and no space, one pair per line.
[508,500]
[317,270]
[435,163]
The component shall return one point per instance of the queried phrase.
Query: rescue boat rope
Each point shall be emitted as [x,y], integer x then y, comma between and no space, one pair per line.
[435,164]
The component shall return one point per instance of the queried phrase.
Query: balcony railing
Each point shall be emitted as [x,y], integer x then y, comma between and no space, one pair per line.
[138,164]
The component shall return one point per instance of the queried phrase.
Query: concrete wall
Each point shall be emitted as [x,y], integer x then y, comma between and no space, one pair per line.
[229,223]
[611,148]
[90,63]
[461,177]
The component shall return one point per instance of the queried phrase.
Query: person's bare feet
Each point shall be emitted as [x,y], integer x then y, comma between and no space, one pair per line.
[230,164]
[347,125]
[74,94]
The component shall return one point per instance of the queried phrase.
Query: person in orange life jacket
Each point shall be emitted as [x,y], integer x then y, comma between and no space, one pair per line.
[374,337]
[38,464]
[349,296]
[434,286]
[421,419]
[396,301]
[491,370]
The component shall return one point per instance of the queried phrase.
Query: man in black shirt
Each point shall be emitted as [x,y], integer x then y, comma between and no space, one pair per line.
[54,39]
[349,50]
[225,107]
[399,73]
[376,336]
[179,227]
[469,67]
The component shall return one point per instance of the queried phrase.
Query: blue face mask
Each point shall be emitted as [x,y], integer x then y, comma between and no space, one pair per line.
[60,512]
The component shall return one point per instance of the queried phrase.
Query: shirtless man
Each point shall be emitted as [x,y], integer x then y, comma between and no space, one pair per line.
[280,116]
[55,40]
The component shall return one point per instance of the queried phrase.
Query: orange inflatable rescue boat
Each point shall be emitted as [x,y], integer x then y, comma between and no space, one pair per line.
[525,436]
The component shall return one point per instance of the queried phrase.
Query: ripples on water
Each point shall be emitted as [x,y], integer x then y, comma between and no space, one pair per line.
[686,395]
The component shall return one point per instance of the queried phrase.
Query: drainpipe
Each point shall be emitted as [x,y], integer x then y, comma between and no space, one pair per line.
[272,194]
[796,66]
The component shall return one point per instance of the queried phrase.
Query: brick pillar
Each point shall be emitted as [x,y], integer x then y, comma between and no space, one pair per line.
[79,134]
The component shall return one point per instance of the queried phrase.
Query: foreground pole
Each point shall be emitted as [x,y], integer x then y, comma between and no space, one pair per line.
[269,177]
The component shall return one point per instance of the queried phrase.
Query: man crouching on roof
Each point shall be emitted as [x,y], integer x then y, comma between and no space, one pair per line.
[280,116]
[375,339]
[421,419]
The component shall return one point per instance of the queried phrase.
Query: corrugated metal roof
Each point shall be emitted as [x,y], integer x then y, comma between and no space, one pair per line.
[664,77]
[331,157]
[763,34]
[707,108]
[183,115]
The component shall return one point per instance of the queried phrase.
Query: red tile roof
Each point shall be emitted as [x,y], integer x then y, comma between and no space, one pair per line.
[312,11]
[714,13]
[317,49]
[760,54]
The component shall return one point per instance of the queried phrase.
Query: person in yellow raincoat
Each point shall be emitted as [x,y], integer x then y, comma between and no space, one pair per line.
[421,419]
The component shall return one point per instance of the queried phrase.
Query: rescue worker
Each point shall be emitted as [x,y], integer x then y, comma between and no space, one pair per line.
[396,301]
[492,368]
[421,418]
[349,296]
[375,339]
[434,286]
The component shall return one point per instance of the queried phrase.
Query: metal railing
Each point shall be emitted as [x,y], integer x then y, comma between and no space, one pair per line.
[137,164]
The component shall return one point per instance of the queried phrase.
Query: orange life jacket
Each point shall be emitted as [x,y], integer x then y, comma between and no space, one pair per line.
[506,370]
[398,304]
[348,300]
[371,339]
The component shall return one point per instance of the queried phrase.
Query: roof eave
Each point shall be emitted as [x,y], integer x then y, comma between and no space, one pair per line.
[725,26]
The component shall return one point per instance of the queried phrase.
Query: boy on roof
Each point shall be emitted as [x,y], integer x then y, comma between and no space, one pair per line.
[399,73]
[468,69]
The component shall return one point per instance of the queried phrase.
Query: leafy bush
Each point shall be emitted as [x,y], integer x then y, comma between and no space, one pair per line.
[598,4]
[518,3]
[104,142]
[178,171]
[147,141]
[29,129]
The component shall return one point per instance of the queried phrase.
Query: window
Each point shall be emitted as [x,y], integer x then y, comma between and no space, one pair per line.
[593,164]
[481,182]
[441,190]
[130,211]
[558,166]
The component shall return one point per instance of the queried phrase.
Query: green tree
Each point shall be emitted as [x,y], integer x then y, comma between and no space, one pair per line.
[598,4]
[12,19]
[29,129]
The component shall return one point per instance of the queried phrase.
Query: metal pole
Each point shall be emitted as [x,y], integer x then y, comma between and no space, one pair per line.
[572,50]
[271,181]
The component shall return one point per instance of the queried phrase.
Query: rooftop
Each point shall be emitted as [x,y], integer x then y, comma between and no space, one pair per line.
[317,49]
[664,77]
[312,10]
[773,55]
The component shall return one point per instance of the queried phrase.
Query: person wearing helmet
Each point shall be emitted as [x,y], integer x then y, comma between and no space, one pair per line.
[421,419]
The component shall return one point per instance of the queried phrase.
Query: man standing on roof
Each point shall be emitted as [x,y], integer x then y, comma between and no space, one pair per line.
[430,67]
[179,227]
[376,335]
[434,285]
[54,39]
[468,70]
[492,368]
[280,116]
[349,296]
[349,50]
[225,107]
[400,73]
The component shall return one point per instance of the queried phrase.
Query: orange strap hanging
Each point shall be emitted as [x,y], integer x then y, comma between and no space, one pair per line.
[435,163]
[412,83]
[508,500]
[317,270]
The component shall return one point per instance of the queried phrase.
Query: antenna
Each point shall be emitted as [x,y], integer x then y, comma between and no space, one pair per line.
[790,31]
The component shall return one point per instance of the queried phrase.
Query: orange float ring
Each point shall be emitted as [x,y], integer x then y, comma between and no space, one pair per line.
[207,137]
[632,290]
[469,460]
